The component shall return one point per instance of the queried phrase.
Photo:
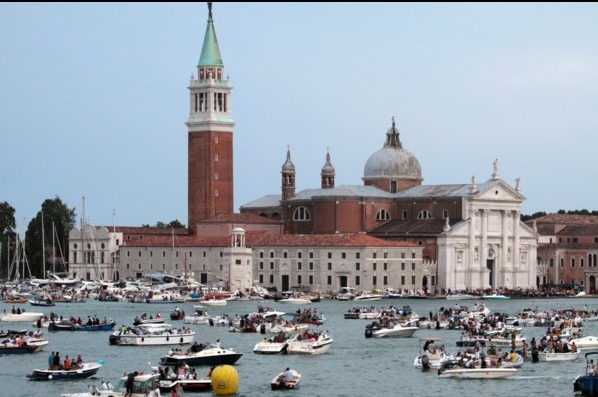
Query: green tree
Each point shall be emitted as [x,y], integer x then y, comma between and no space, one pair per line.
[176,224]
[8,236]
[57,218]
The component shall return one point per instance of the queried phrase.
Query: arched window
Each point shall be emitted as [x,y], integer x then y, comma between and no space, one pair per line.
[424,215]
[301,214]
[382,215]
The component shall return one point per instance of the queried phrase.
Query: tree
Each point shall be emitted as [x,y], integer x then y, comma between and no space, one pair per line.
[56,217]
[176,224]
[8,236]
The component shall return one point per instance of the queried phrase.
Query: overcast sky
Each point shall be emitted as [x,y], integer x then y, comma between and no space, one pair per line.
[94,98]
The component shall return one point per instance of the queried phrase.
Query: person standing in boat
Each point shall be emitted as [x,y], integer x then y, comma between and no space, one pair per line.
[130,383]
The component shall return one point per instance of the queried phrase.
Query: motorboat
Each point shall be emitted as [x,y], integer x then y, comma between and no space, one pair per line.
[368,296]
[188,385]
[585,343]
[477,373]
[389,329]
[282,382]
[30,340]
[496,297]
[200,316]
[69,326]
[146,335]
[313,343]
[548,356]
[23,316]
[435,358]
[205,355]
[587,382]
[295,301]
[277,344]
[346,294]
[461,297]
[143,386]
[214,302]
[86,370]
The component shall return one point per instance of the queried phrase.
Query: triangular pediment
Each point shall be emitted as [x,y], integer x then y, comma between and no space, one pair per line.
[497,190]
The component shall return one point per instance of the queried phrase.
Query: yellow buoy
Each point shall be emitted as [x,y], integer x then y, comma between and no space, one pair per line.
[225,380]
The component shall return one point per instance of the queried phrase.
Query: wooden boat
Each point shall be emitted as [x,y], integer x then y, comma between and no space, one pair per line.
[16,300]
[87,370]
[280,382]
[58,326]
[13,349]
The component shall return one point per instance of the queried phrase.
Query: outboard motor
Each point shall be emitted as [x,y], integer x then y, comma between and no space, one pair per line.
[211,321]
[368,331]
[425,362]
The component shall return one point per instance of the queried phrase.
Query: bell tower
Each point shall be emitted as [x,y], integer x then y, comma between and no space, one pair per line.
[210,129]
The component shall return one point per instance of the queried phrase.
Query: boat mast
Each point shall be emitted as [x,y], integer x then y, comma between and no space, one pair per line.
[43,247]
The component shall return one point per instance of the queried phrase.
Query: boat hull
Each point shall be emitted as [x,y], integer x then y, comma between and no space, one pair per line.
[478,373]
[151,340]
[74,327]
[188,385]
[87,371]
[212,357]
[18,349]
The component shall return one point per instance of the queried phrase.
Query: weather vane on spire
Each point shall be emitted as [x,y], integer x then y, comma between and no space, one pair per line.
[210,9]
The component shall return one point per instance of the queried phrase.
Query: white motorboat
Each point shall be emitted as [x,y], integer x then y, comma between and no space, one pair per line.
[477,373]
[214,302]
[586,342]
[346,294]
[547,356]
[390,329]
[435,359]
[496,297]
[368,296]
[295,301]
[156,335]
[275,345]
[461,297]
[23,316]
[313,343]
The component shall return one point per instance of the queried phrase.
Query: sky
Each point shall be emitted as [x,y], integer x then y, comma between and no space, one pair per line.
[94,99]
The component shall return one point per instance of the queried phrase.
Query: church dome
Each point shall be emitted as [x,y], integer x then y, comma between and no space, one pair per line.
[328,168]
[392,162]
[288,165]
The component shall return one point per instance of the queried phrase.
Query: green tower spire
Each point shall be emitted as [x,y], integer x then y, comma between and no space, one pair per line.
[210,52]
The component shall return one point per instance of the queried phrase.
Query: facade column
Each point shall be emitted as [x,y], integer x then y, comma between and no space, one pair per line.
[484,245]
[516,258]
[472,267]
[505,242]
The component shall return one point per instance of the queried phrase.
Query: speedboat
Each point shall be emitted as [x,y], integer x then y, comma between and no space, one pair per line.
[586,342]
[461,297]
[427,359]
[296,301]
[14,349]
[87,370]
[281,383]
[214,302]
[496,297]
[275,345]
[392,329]
[143,386]
[547,356]
[208,355]
[23,316]
[313,343]
[477,373]
[368,296]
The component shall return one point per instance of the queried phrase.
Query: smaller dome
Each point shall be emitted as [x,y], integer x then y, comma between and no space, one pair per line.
[288,165]
[328,169]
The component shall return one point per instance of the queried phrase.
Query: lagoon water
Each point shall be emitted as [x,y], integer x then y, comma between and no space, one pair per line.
[354,366]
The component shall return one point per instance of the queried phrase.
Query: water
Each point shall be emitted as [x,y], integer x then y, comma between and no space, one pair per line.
[354,366]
